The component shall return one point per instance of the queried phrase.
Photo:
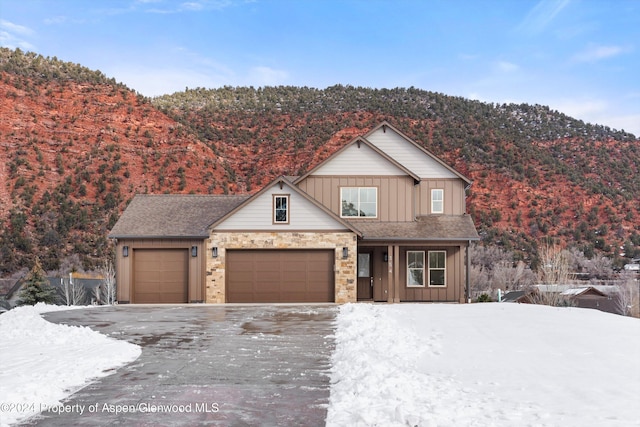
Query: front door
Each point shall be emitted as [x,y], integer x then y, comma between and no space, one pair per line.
[365,276]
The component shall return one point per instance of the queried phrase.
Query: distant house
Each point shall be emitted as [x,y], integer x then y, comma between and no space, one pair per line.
[382,219]
[602,298]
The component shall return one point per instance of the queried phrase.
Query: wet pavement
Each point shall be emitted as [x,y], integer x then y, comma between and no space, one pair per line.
[208,365]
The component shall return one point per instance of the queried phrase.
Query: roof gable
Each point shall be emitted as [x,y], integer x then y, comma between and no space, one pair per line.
[256,213]
[408,153]
[359,157]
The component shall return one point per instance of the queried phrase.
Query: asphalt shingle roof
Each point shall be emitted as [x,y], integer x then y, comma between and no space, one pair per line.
[173,215]
[435,227]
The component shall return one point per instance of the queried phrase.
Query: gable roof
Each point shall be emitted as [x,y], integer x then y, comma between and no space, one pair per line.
[359,141]
[282,181]
[384,125]
[173,215]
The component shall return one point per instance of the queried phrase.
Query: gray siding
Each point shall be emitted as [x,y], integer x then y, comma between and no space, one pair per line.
[258,214]
[408,155]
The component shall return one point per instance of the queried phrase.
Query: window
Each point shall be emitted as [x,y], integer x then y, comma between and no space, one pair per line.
[415,269]
[359,202]
[437,268]
[281,209]
[437,200]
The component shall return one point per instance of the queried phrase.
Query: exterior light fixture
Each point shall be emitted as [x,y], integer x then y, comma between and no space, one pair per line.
[125,251]
[385,257]
[194,251]
[214,252]
[345,252]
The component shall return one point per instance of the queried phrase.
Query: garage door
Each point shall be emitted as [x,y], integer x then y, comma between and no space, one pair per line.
[160,276]
[280,276]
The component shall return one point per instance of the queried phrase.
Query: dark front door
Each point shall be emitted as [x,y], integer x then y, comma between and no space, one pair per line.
[365,276]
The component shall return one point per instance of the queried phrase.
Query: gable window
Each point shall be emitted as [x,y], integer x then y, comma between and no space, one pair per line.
[415,269]
[281,209]
[359,202]
[437,268]
[437,201]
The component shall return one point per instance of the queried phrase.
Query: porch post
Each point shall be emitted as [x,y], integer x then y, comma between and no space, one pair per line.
[390,286]
[468,274]
[396,273]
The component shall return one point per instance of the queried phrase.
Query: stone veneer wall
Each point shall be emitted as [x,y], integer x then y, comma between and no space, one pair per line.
[345,269]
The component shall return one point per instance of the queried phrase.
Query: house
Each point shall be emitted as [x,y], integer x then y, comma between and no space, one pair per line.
[603,298]
[382,219]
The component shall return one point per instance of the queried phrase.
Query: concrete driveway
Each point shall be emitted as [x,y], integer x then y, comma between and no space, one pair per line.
[261,365]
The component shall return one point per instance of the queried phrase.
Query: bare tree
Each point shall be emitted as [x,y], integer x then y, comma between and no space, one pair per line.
[108,286]
[72,292]
[554,265]
[627,298]
[508,277]
[479,281]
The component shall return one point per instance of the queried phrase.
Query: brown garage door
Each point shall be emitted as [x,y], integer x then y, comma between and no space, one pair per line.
[280,276]
[160,276]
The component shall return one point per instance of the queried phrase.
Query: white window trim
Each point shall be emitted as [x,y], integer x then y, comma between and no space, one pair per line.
[358,188]
[444,269]
[433,200]
[288,210]
[424,260]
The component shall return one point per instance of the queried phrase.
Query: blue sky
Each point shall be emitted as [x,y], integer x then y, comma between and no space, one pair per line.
[581,57]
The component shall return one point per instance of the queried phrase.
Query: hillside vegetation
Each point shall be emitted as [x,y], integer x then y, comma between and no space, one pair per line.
[75,146]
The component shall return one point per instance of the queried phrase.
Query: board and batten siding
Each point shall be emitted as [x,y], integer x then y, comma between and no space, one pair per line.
[125,265]
[358,161]
[454,196]
[395,194]
[258,214]
[409,155]
[455,268]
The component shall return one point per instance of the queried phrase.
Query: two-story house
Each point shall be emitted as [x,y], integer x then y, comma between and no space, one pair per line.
[382,219]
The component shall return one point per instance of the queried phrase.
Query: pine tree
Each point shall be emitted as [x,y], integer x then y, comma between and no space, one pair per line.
[37,288]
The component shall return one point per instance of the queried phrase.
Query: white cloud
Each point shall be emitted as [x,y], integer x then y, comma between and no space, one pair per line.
[507,67]
[14,36]
[15,28]
[596,53]
[599,111]
[542,14]
[266,76]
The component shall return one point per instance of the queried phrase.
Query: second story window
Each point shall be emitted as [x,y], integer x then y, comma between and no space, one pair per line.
[437,201]
[281,209]
[359,202]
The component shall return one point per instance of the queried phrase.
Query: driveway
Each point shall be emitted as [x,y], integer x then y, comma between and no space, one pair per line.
[209,365]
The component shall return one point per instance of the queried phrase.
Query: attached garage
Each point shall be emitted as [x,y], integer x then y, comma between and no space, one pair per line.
[160,276]
[268,276]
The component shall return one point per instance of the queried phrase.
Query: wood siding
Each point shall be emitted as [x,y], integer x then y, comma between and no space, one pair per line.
[358,161]
[455,267]
[125,277]
[409,155]
[258,214]
[395,194]
[454,196]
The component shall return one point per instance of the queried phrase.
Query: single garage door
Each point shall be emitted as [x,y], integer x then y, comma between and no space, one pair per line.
[280,276]
[160,276]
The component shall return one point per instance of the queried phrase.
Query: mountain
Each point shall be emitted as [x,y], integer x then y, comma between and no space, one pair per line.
[75,146]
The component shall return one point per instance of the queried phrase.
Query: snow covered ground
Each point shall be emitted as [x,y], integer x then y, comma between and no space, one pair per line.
[41,363]
[394,365]
[494,364]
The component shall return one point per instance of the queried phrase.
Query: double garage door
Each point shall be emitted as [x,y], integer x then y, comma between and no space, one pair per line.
[280,276]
